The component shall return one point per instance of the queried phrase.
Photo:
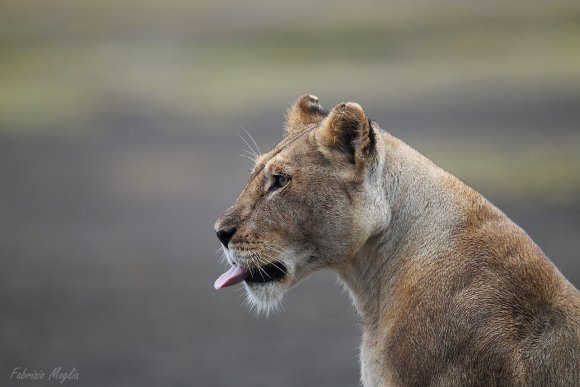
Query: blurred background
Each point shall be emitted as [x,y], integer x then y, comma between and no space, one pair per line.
[119,148]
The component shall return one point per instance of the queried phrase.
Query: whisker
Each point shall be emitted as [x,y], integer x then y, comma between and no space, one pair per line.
[261,271]
[271,260]
[249,158]
[248,144]
[256,260]
[252,138]
[223,259]
[250,270]
[280,248]
[248,152]
[277,249]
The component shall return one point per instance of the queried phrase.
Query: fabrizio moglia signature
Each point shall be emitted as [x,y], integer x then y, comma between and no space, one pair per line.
[57,374]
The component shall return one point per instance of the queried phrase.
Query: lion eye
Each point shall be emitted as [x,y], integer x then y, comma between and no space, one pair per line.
[280,181]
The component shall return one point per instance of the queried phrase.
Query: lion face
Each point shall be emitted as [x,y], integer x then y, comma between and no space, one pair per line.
[300,210]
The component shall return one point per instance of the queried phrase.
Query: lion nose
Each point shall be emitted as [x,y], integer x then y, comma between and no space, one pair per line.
[225,235]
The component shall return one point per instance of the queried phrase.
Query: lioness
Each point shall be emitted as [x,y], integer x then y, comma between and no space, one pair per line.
[450,292]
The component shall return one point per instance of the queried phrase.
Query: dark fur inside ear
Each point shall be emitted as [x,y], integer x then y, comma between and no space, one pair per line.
[372,136]
[305,111]
[348,130]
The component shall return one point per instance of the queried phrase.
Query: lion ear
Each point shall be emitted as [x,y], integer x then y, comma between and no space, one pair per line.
[306,110]
[348,131]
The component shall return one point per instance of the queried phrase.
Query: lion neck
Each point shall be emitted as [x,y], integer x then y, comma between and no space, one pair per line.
[420,214]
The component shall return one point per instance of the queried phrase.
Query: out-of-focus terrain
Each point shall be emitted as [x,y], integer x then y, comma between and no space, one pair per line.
[119,148]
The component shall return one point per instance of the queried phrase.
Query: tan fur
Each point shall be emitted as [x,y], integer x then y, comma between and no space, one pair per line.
[450,291]
[306,110]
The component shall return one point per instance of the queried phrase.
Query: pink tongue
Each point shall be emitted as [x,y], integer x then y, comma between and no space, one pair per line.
[234,275]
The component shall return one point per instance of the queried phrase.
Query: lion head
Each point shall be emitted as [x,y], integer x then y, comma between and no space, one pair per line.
[308,204]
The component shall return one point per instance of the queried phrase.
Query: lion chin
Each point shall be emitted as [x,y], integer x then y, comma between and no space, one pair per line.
[264,298]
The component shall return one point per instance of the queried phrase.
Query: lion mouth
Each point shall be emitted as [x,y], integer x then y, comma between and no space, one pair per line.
[270,272]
